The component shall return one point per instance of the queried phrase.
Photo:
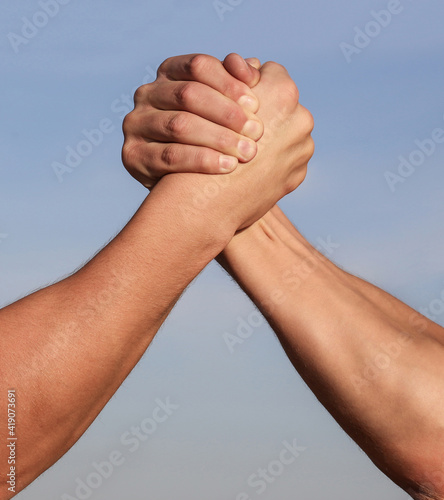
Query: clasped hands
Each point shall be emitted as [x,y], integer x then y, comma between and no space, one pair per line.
[218,144]
[234,118]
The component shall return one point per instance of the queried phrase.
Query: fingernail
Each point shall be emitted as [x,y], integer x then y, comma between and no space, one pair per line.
[247,150]
[252,129]
[227,163]
[249,103]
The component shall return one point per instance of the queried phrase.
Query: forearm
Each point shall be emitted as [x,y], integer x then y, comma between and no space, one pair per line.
[372,361]
[88,331]
[66,349]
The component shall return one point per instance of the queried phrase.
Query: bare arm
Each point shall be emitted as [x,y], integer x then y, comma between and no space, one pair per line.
[67,348]
[372,361]
[375,363]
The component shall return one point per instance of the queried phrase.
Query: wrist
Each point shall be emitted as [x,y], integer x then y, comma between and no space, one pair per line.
[271,255]
[198,213]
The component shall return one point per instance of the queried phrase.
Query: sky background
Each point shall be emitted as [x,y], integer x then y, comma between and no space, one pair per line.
[235,410]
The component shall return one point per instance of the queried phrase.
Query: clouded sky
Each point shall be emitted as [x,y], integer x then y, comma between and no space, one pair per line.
[371,73]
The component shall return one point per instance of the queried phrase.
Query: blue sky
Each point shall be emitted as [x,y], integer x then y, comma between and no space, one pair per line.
[235,409]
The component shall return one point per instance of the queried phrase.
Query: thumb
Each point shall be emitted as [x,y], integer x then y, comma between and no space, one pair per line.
[254,61]
[245,71]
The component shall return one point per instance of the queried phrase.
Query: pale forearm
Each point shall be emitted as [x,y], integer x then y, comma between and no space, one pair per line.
[371,360]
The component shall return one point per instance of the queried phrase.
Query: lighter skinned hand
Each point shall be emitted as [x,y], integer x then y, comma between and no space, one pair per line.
[286,146]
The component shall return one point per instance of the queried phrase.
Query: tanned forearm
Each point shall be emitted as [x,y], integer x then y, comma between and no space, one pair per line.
[372,361]
[67,348]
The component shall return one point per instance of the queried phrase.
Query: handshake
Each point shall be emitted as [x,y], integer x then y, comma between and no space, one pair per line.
[237,118]
[219,144]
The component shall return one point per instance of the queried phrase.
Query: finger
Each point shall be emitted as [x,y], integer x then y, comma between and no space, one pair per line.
[203,101]
[154,160]
[241,70]
[274,71]
[254,61]
[186,128]
[210,71]
[276,82]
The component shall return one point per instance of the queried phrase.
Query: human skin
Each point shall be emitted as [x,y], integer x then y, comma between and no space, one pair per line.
[373,362]
[66,349]
[179,123]
[376,364]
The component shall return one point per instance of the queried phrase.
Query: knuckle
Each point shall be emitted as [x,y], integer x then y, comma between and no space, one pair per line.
[199,64]
[170,155]
[296,179]
[186,94]
[133,126]
[232,87]
[310,147]
[302,175]
[203,160]
[233,115]
[127,124]
[177,125]
[290,92]
[163,68]
[142,93]
[129,156]
[289,186]
[308,120]
[224,141]
[275,66]
[140,163]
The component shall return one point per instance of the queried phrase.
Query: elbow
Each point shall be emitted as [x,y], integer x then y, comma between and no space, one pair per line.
[421,452]
[425,480]
[418,465]
[425,492]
